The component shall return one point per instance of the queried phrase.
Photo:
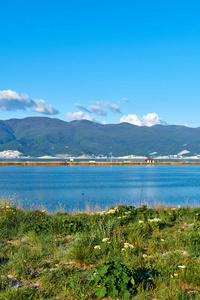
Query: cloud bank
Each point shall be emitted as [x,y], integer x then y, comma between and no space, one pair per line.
[148,120]
[12,101]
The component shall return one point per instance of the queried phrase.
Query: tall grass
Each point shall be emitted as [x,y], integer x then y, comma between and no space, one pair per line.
[55,256]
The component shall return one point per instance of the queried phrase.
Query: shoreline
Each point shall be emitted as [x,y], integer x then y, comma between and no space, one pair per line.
[93,163]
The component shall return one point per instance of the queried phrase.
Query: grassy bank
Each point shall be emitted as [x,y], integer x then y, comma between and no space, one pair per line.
[122,253]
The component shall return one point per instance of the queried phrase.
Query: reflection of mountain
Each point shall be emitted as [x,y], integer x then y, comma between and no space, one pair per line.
[45,136]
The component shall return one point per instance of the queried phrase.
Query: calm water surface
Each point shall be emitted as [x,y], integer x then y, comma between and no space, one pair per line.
[76,186]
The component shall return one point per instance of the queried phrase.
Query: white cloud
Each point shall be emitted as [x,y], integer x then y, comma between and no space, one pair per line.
[148,120]
[74,116]
[80,116]
[11,100]
[42,107]
[126,100]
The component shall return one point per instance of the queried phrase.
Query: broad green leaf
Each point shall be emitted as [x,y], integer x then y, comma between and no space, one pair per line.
[113,292]
[133,281]
[103,270]
[125,278]
[100,292]
[111,280]
[96,278]
[126,296]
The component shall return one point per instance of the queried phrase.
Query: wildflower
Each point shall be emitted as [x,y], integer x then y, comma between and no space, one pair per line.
[154,220]
[144,256]
[7,206]
[175,274]
[127,245]
[141,222]
[102,213]
[171,276]
[123,249]
[182,267]
[105,239]
[108,242]
[162,240]
[173,208]
[119,217]
[111,211]
[178,206]
[97,247]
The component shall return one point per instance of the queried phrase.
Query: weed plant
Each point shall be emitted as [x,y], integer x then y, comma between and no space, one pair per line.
[120,253]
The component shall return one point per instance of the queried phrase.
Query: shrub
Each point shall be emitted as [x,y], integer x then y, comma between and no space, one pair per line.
[114,279]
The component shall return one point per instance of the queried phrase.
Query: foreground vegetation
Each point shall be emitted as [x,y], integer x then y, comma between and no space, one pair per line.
[121,253]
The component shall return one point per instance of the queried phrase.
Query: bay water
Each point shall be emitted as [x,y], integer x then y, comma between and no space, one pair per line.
[75,187]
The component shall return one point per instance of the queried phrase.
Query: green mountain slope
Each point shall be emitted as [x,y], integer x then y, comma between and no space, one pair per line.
[38,136]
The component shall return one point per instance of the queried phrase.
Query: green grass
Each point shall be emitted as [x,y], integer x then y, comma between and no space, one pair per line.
[123,253]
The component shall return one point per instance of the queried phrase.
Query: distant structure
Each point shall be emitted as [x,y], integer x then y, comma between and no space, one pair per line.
[71,160]
[149,160]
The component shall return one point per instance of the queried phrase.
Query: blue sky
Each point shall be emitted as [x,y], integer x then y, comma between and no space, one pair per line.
[106,61]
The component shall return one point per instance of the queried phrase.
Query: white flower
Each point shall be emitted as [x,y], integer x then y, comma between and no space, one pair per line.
[154,220]
[111,211]
[144,255]
[105,239]
[173,208]
[182,267]
[141,222]
[102,213]
[119,217]
[97,247]
[127,245]
[178,206]
[162,240]
[175,274]
[123,249]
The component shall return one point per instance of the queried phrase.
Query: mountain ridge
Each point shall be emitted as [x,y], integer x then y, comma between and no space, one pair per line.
[37,136]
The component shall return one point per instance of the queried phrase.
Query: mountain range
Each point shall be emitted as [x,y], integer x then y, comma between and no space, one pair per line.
[38,136]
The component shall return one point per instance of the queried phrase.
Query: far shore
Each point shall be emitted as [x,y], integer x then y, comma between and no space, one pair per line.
[94,163]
